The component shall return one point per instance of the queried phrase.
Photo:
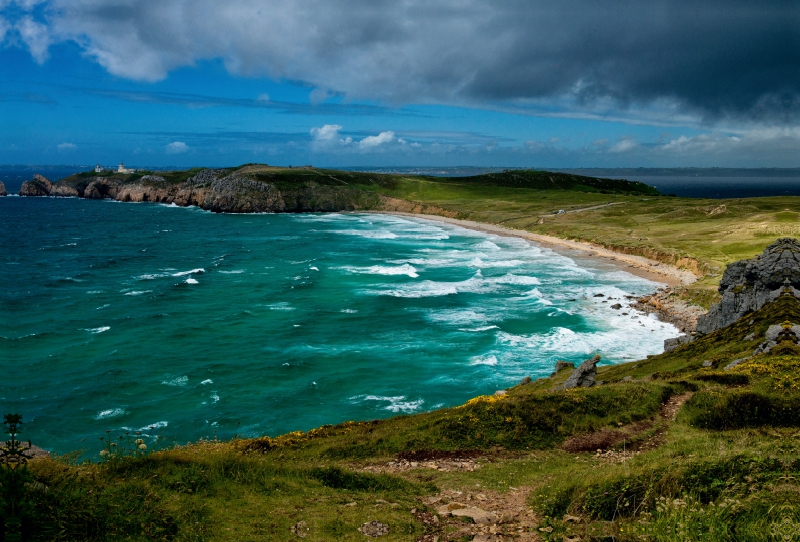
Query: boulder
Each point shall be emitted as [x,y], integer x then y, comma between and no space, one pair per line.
[300,529]
[477,515]
[787,333]
[374,529]
[560,365]
[583,376]
[672,344]
[747,285]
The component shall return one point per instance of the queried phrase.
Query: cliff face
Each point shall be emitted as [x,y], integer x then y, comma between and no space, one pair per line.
[748,285]
[213,190]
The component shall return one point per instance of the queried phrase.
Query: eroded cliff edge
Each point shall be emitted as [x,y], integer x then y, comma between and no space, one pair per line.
[222,190]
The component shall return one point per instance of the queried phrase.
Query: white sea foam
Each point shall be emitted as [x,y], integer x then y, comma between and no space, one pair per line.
[206,381]
[404,269]
[95,292]
[282,306]
[398,403]
[456,317]
[180,381]
[368,234]
[479,329]
[214,396]
[140,292]
[487,245]
[99,329]
[314,268]
[234,272]
[157,425]
[521,280]
[110,413]
[480,264]
[429,288]
[484,360]
[348,311]
[190,272]
[191,281]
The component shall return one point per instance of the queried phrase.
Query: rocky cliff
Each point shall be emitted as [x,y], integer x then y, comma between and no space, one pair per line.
[217,190]
[748,285]
[3,189]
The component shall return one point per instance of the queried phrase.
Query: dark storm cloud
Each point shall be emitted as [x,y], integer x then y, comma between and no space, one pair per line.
[713,59]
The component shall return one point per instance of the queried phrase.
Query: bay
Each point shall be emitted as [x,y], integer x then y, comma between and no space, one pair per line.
[187,324]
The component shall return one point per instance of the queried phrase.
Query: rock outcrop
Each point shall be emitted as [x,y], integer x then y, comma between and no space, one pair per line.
[672,344]
[583,376]
[38,186]
[214,190]
[3,191]
[748,285]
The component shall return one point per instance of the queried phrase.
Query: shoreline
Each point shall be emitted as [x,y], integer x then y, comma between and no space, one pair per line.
[635,265]
[678,313]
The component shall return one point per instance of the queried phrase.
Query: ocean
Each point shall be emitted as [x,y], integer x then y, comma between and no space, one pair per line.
[187,324]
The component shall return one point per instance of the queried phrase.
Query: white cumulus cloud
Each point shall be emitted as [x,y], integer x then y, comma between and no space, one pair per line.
[329,135]
[177,147]
[374,141]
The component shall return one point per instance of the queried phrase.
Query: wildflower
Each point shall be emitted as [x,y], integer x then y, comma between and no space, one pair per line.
[139,441]
[103,453]
[113,444]
[143,446]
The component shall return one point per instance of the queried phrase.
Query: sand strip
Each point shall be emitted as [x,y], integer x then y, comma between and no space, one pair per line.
[635,265]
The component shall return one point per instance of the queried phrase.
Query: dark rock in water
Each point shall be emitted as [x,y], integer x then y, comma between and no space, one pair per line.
[583,376]
[748,285]
[38,186]
[616,306]
[599,295]
[561,364]
[3,189]
[672,344]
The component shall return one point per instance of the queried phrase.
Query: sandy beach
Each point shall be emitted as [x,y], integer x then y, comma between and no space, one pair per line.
[636,265]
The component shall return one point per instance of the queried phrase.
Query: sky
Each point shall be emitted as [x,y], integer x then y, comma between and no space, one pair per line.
[517,83]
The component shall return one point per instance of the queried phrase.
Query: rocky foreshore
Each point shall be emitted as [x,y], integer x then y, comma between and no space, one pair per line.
[670,309]
[211,189]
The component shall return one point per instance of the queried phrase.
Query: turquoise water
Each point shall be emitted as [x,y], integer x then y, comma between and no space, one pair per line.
[131,316]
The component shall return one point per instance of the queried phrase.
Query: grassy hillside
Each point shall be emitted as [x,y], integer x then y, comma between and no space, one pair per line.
[665,447]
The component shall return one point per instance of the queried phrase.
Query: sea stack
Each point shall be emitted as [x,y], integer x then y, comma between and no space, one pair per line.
[3,189]
[38,186]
